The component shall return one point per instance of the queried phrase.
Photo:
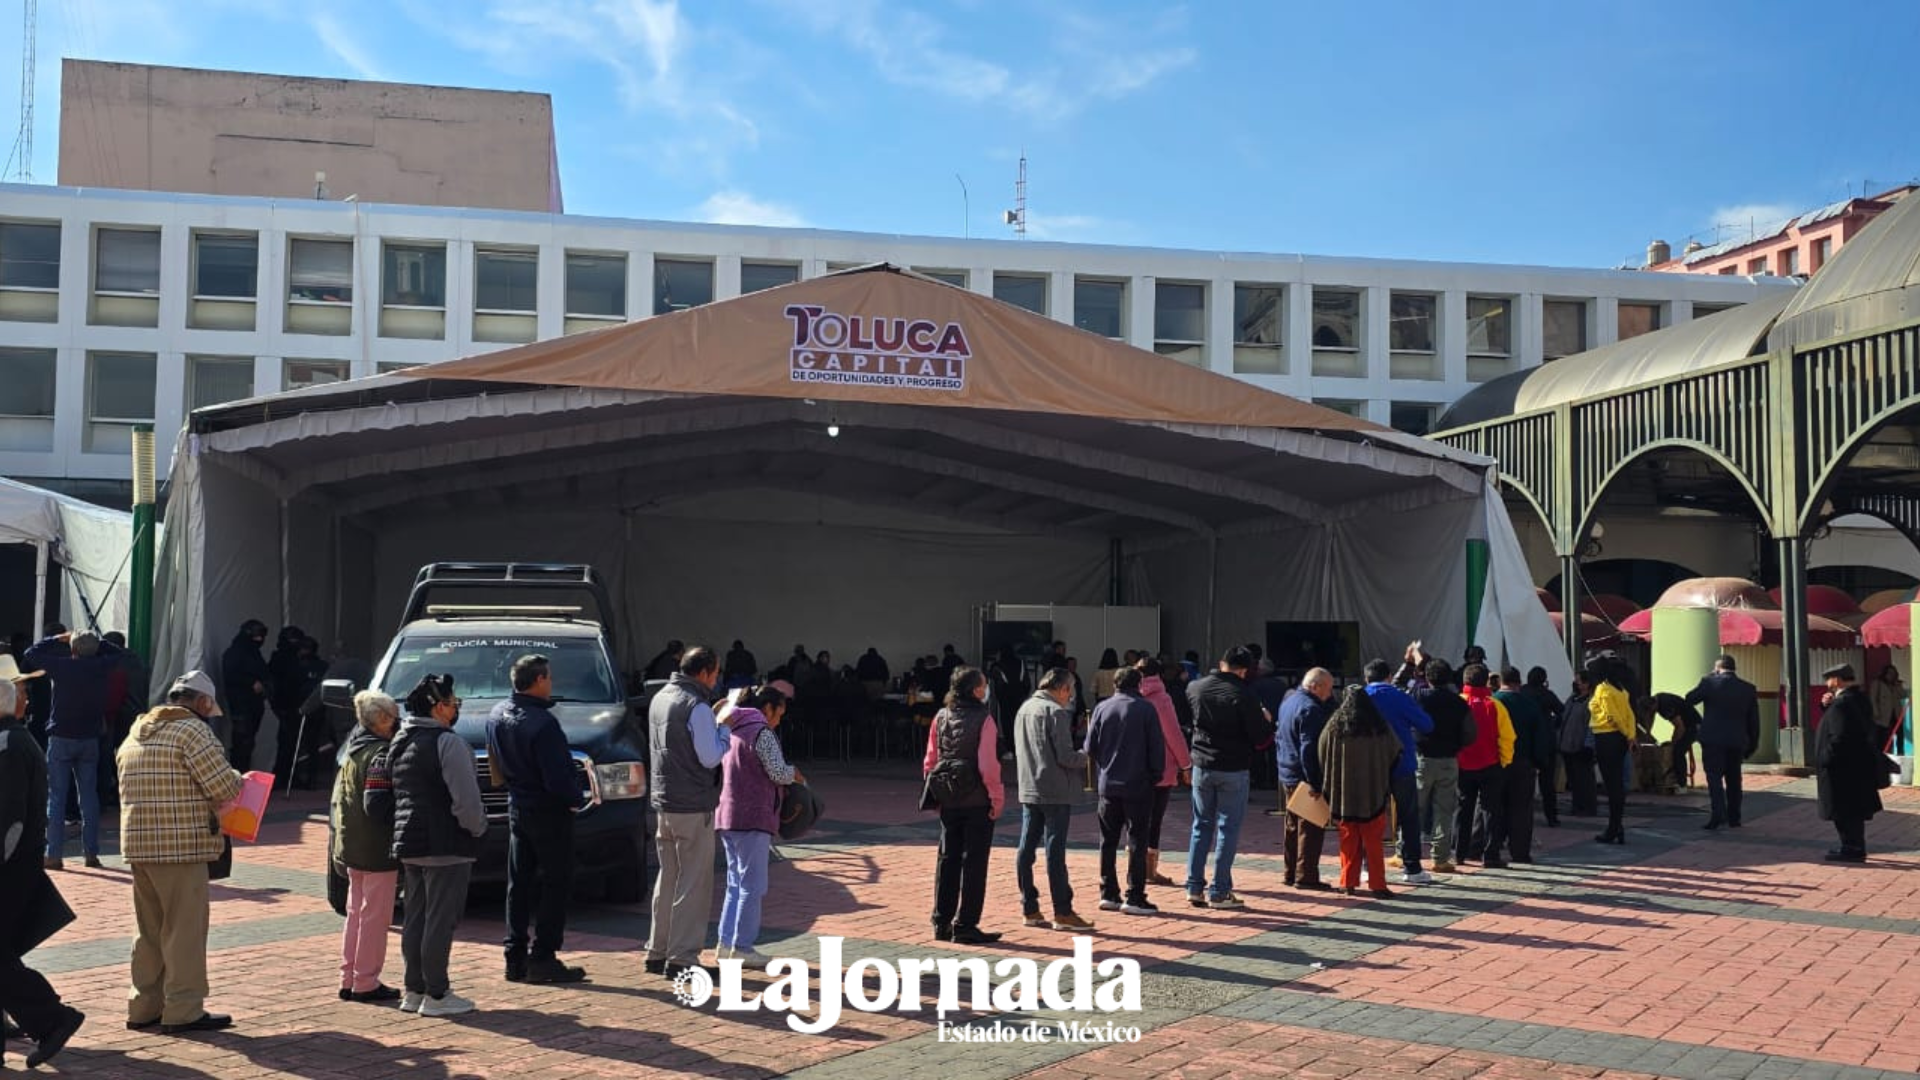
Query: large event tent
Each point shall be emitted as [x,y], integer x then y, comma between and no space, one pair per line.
[89,544]
[852,460]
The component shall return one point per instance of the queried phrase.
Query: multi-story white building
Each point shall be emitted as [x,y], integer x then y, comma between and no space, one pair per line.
[127,307]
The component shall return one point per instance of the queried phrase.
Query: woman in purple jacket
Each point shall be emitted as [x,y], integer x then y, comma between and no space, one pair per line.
[752,774]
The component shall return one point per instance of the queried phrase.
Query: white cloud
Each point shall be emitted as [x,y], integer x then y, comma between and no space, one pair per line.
[1088,61]
[1752,220]
[345,47]
[1085,228]
[740,208]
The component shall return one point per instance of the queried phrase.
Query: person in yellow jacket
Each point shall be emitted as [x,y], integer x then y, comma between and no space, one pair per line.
[1610,716]
[1481,821]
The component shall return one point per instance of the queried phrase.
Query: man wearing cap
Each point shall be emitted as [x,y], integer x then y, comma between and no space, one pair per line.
[1729,734]
[173,776]
[25,994]
[1851,770]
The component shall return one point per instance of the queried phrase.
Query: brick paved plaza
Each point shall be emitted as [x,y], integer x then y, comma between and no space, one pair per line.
[1682,954]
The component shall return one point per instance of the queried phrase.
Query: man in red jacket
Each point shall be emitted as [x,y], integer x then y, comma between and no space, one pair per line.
[1483,766]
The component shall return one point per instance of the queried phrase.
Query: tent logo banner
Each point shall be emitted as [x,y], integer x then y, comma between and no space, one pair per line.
[876,350]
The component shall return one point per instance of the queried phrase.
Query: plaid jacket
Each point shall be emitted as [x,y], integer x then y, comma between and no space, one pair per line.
[173,776]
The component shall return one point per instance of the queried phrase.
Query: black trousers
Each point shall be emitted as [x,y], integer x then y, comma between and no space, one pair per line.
[960,879]
[1549,798]
[1583,798]
[246,729]
[1520,784]
[1157,815]
[1132,816]
[539,877]
[26,996]
[1722,766]
[1610,748]
[1480,825]
[1853,837]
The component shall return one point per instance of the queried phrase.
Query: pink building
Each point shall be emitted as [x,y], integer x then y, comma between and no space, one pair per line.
[1800,247]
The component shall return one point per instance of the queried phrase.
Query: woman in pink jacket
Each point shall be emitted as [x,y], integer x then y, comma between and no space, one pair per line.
[1154,689]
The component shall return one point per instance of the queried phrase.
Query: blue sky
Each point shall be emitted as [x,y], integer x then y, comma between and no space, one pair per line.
[1532,132]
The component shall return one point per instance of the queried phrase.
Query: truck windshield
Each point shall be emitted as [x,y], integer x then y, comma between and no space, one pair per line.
[482,665]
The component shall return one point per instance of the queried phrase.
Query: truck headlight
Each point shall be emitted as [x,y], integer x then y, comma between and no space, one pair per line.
[621,780]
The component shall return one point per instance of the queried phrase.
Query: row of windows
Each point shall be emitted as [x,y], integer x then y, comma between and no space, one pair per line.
[1786,262]
[320,282]
[120,392]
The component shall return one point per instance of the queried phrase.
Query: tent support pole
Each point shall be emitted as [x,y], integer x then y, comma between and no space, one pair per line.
[1570,608]
[40,566]
[1793,666]
[286,572]
[1116,593]
[1213,587]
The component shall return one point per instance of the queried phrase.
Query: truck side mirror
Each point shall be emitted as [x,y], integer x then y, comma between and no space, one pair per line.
[337,694]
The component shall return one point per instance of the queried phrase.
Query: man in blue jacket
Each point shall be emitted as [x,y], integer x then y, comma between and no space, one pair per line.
[1128,754]
[1409,721]
[80,665]
[527,753]
[1303,716]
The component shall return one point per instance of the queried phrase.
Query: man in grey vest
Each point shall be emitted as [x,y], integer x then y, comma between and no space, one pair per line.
[686,744]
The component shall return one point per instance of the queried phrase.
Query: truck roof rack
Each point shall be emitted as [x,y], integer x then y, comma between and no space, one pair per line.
[464,577]
[503,572]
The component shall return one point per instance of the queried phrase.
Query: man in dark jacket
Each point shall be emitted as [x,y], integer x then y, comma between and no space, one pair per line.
[527,753]
[81,667]
[1534,739]
[686,743]
[1851,768]
[1437,773]
[1049,768]
[1555,710]
[25,994]
[1229,728]
[1303,716]
[1729,734]
[663,665]
[243,671]
[1409,722]
[296,681]
[1128,752]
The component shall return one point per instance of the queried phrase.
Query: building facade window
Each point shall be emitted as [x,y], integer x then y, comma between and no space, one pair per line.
[1412,417]
[1410,322]
[1490,326]
[126,277]
[1790,262]
[1563,328]
[957,278]
[679,284]
[1100,306]
[596,290]
[1257,334]
[1822,251]
[300,374]
[226,278]
[1356,409]
[506,284]
[761,276]
[119,395]
[29,271]
[1637,319]
[1757,266]
[1701,311]
[1180,321]
[413,291]
[1022,291]
[27,382]
[215,380]
[319,286]
[1336,319]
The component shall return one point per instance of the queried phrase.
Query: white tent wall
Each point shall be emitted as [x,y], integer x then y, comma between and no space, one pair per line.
[239,574]
[89,543]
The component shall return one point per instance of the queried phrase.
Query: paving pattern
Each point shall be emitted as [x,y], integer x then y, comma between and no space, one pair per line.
[1738,954]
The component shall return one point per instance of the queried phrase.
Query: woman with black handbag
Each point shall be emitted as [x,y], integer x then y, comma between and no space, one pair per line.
[962,770]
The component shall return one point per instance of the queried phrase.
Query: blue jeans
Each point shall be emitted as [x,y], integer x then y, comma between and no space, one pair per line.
[65,759]
[746,885]
[1219,803]
[1049,820]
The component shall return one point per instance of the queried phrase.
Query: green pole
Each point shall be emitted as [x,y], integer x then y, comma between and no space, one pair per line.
[140,584]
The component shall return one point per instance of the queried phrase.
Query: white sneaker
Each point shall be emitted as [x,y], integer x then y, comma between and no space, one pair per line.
[451,1005]
[1421,878]
[410,1001]
[1109,905]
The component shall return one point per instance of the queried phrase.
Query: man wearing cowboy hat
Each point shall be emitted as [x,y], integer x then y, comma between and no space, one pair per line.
[26,894]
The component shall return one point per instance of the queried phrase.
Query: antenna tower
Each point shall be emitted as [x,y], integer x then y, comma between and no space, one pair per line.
[23,141]
[1020,199]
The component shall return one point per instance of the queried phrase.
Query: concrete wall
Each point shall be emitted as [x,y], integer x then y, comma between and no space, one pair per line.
[235,133]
